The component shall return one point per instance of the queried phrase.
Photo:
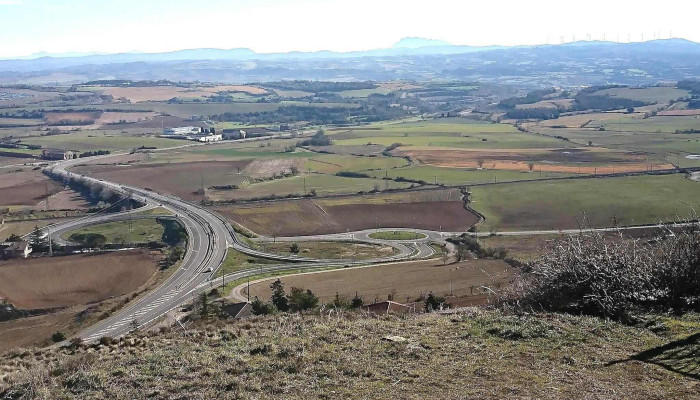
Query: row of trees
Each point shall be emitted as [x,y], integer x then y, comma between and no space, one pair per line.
[298,299]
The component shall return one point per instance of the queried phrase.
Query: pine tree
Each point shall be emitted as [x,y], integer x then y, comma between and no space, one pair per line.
[279,298]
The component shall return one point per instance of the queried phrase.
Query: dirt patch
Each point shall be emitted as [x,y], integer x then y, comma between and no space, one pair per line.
[184,180]
[71,118]
[314,217]
[574,160]
[50,282]
[407,281]
[110,117]
[22,228]
[265,168]
[26,332]
[64,200]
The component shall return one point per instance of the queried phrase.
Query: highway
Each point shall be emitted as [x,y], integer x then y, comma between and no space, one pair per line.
[209,238]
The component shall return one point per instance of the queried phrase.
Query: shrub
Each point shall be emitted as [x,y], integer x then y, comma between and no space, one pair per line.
[612,277]
[356,302]
[58,337]
[260,307]
[433,303]
[300,300]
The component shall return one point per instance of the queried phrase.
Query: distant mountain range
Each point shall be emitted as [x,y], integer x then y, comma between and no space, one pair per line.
[438,57]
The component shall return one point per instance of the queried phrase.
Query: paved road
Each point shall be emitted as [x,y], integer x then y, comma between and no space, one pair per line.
[209,237]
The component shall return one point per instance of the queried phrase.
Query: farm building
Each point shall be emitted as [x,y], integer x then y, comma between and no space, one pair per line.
[20,249]
[230,134]
[57,154]
[206,137]
[183,131]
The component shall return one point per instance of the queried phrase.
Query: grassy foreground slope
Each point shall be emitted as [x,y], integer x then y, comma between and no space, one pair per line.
[468,354]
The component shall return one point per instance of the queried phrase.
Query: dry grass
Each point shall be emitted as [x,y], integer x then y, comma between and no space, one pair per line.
[469,354]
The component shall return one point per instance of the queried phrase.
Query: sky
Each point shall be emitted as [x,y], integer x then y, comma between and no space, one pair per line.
[111,26]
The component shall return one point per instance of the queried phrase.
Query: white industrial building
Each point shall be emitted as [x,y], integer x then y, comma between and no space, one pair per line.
[183,130]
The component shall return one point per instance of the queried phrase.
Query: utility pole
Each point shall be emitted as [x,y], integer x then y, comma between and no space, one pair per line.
[304,186]
[46,198]
[48,235]
[248,290]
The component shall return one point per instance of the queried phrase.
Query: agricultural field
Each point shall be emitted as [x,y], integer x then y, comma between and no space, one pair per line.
[428,209]
[164,93]
[566,160]
[406,282]
[25,187]
[301,185]
[331,250]
[76,289]
[570,204]
[661,94]
[463,176]
[71,280]
[136,231]
[185,180]
[100,140]
[443,133]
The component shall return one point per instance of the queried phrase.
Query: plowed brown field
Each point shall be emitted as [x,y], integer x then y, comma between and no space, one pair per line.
[424,210]
[50,282]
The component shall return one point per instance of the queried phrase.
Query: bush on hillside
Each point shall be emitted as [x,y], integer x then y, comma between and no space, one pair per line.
[613,277]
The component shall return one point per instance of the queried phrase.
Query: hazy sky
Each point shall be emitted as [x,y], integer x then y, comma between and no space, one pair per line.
[109,26]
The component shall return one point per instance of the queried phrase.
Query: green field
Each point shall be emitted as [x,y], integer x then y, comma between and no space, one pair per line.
[136,231]
[595,202]
[332,163]
[321,183]
[448,132]
[100,140]
[331,250]
[647,95]
[396,235]
[461,176]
